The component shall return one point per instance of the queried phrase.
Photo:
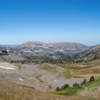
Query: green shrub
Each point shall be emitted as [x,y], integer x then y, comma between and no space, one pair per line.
[76,85]
[58,89]
[65,86]
[84,82]
[92,79]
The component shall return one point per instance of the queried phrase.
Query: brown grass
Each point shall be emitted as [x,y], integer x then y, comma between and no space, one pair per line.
[12,91]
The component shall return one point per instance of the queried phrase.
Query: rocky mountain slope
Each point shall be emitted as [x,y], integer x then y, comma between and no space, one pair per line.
[42,77]
[89,55]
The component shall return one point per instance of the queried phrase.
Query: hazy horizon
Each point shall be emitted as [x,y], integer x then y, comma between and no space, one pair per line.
[50,21]
[16,44]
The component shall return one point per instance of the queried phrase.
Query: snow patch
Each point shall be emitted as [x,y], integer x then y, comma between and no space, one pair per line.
[10,68]
[21,79]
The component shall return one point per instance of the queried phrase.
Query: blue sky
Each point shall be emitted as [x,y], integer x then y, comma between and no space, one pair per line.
[50,21]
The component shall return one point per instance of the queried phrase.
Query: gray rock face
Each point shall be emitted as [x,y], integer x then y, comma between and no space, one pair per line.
[89,55]
[43,77]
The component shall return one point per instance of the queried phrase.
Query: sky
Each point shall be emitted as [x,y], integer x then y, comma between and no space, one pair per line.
[50,21]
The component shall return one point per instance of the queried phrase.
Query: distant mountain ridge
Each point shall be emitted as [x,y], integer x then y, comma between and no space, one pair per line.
[51,48]
[44,52]
[31,44]
[52,52]
[69,45]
